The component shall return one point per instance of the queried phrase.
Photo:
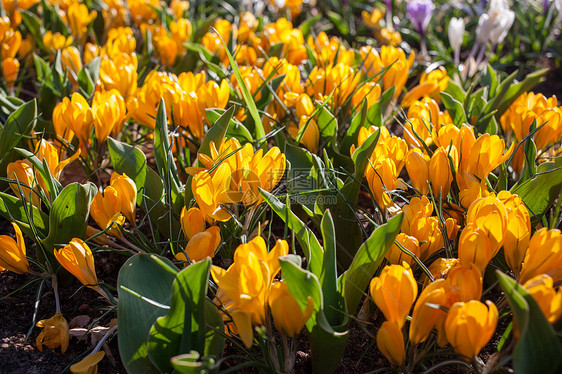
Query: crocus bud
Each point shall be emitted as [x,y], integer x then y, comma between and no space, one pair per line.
[105,210]
[287,313]
[396,256]
[127,192]
[544,254]
[390,342]
[419,12]
[10,69]
[202,245]
[417,165]
[78,260]
[474,247]
[12,252]
[490,215]
[486,155]
[440,173]
[549,300]
[456,32]
[468,280]
[54,334]
[426,312]
[394,292]
[22,172]
[192,221]
[469,326]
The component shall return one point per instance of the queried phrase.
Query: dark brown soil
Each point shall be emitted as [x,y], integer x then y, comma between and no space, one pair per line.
[18,356]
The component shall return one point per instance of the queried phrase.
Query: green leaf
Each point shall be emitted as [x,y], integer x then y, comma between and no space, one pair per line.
[144,286]
[538,349]
[329,277]
[367,260]
[539,192]
[235,128]
[163,151]
[15,132]
[455,91]
[184,328]
[327,345]
[68,217]
[455,109]
[351,135]
[192,363]
[12,209]
[327,123]
[248,98]
[309,243]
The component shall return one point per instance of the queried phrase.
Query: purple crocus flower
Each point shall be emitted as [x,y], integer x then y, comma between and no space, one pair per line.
[419,12]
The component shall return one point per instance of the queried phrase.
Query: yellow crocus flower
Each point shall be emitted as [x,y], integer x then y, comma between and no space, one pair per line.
[13,253]
[106,211]
[390,342]
[77,259]
[394,292]
[286,312]
[469,326]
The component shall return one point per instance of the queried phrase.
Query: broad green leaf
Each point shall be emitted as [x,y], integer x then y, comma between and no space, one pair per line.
[311,247]
[347,226]
[235,128]
[539,192]
[130,160]
[15,132]
[538,349]
[367,260]
[329,277]
[184,328]
[145,287]
[69,214]
[327,344]
[12,209]
[327,123]
[352,133]
[217,132]
[455,109]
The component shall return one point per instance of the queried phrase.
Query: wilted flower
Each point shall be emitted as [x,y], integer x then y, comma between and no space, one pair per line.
[54,333]
[88,365]
[12,252]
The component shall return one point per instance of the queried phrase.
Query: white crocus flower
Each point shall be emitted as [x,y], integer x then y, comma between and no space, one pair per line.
[456,33]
